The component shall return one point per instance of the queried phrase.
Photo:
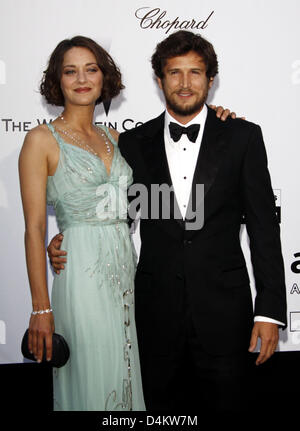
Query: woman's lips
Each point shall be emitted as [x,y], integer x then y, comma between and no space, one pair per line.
[82,90]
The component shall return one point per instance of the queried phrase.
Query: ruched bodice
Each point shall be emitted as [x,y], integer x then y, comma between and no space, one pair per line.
[81,190]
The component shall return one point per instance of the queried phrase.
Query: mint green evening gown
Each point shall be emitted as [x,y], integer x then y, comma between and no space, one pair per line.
[93,298]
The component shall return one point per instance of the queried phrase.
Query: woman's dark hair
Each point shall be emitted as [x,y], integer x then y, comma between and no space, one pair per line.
[180,43]
[50,84]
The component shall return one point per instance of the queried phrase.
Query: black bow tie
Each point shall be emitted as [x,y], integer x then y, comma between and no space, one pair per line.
[176,131]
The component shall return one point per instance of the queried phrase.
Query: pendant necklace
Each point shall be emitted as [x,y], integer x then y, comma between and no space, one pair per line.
[81,143]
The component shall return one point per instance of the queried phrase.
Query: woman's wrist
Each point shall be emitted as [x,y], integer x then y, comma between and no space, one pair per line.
[41,304]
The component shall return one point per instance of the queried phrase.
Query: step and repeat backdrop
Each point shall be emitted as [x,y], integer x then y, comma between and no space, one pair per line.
[257,42]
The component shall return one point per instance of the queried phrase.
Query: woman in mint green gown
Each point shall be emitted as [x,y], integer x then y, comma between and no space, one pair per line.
[80,171]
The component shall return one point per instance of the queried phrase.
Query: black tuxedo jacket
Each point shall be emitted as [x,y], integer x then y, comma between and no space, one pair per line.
[206,267]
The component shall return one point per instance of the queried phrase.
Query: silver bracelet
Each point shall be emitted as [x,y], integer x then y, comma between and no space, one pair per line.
[49,310]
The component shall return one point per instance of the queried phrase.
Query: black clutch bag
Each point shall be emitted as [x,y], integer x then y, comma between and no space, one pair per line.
[60,350]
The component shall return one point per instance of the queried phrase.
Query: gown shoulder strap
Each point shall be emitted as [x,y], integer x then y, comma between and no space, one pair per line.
[109,135]
[55,133]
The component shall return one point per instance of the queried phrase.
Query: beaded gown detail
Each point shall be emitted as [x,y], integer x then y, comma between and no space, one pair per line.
[93,297]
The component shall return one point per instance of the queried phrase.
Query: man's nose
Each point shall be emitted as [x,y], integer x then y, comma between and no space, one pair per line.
[185,80]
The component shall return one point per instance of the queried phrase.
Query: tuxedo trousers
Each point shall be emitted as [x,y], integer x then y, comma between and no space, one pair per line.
[188,378]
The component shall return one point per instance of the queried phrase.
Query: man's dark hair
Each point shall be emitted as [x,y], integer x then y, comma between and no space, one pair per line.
[50,84]
[180,43]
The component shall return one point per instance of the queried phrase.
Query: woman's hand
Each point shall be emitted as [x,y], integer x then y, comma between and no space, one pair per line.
[41,328]
[224,113]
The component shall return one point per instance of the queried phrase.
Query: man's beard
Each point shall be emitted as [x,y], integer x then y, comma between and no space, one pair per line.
[186,110]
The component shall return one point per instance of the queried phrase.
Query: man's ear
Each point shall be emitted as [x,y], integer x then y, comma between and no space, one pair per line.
[159,82]
[210,82]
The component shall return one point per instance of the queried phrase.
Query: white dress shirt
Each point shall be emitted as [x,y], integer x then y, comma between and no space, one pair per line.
[182,158]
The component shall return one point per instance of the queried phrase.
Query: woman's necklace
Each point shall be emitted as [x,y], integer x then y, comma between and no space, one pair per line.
[81,143]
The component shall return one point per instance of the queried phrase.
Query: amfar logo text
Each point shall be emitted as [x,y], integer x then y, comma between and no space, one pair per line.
[295,267]
[156,18]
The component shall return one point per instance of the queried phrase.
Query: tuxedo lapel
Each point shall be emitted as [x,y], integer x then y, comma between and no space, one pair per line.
[154,154]
[153,150]
[210,156]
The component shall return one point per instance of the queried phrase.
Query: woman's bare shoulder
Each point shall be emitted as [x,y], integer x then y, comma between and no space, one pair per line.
[39,136]
[38,146]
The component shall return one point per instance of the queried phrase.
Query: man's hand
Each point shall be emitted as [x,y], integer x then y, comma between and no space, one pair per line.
[223,113]
[55,253]
[268,333]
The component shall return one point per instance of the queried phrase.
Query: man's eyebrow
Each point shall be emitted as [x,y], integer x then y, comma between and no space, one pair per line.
[179,68]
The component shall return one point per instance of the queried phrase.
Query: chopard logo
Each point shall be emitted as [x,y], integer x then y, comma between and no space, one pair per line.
[156,18]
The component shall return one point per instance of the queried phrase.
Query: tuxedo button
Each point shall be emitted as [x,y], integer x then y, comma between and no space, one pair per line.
[187,242]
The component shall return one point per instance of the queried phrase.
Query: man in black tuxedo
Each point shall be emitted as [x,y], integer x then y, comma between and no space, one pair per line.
[194,312]
[193,300]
